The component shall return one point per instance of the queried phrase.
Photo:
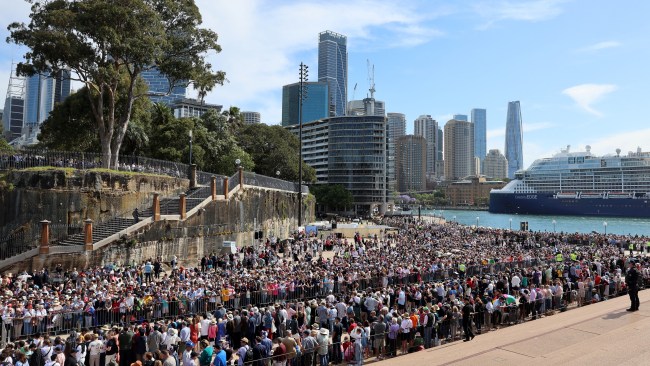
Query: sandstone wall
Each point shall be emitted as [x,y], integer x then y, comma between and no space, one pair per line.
[275,213]
[65,197]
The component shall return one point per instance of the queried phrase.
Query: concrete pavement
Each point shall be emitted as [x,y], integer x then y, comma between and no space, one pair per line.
[598,334]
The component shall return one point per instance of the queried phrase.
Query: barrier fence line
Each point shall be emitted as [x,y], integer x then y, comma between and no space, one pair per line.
[150,309]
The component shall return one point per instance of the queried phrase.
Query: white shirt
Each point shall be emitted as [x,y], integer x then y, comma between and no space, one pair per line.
[95,347]
[407,324]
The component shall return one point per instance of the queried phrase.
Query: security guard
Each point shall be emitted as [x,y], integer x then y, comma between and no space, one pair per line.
[632,282]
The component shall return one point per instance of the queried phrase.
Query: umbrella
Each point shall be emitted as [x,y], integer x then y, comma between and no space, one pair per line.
[509,299]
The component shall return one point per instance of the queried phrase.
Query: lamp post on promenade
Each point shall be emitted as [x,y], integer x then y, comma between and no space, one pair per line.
[605,225]
[303,95]
[510,220]
[554,222]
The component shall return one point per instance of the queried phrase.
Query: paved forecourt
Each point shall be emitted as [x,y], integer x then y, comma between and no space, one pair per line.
[598,334]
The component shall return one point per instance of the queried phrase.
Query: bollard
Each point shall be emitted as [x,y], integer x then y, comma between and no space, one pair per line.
[192,174]
[181,206]
[156,207]
[45,238]
[225,187]
[88,234]
[213,187]
[241,178]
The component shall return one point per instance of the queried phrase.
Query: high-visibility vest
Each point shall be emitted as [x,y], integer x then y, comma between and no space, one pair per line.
[559,257]
[574,256]
[461,267]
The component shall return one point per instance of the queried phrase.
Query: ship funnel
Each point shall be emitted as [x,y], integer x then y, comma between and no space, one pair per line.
[638,150]
[588,148]
[618,152]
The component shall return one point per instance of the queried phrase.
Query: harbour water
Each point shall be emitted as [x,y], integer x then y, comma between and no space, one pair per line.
[571,224]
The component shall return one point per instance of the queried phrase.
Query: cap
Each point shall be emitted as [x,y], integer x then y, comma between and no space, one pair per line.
[189,344]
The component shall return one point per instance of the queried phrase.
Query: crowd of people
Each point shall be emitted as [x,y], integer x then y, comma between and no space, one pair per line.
[311,300]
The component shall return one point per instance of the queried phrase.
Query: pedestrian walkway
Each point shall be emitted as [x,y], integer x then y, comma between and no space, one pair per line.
[598,334]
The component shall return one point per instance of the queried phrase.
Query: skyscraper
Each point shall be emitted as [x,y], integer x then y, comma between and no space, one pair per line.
[396,129]
[159,89]
[410,163]
[14,107]
[514,139]
[42,93]
[314,106]
[333,69]
[479,119]
[427,127]
[459,149]
[460,117]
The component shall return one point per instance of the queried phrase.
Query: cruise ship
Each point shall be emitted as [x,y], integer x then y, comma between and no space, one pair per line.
[579,183]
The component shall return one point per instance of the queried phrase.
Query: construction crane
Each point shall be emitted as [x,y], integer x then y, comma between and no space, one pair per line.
[371,79]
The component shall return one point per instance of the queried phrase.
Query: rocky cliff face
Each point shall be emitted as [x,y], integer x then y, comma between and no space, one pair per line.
[69,197]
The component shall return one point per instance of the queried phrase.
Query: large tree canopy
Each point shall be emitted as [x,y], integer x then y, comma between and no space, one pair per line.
[273,149]
[101,41]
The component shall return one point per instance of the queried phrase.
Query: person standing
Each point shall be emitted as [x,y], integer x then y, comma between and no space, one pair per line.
[125,340]
[468,313]
[632,282]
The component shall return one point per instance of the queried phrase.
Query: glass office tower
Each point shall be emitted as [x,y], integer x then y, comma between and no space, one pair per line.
[514,139]
[333,69]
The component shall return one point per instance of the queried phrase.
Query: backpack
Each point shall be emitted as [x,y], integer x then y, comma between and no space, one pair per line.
[348,355]
[249,354]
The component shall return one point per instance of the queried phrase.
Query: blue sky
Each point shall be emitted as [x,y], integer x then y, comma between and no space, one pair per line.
[579,68]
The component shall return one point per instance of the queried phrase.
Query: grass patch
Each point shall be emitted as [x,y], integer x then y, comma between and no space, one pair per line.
[70,172]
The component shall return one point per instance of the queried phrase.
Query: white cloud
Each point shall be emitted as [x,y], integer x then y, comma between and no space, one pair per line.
[263,42]
[585,95]
[600,46]
[531,11]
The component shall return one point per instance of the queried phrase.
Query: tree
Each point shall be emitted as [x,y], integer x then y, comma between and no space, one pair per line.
[71,125]
[332,196]
[273,149]
[4,145]
[101,41]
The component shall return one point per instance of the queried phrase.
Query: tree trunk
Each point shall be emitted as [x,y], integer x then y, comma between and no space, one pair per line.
[106,153]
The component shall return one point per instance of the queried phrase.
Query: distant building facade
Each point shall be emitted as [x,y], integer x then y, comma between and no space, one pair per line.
[349,151]
[333,69]
[514,139]
[396,128]
[411,163]
[479,119]
[315,105]
[495,165]
[460,117]
[459,149]
[159,88]
[185,108]
[251,117]
[427,127]
[473,191]
[366,107]
[42,93]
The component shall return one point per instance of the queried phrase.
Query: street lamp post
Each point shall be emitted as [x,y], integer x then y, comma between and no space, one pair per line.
[554,222]
[277,174]
[303,95]
[605,225]
[477,221]
[454,218]
[190,147]
[510,220]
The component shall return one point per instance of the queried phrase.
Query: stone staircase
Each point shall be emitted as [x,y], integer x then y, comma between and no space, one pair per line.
[168,206]
[100,231]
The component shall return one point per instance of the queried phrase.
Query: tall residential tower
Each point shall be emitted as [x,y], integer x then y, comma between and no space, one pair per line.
[427,127]
[514,139]
[333,69]
[479,119]
[459,149]
[396,129]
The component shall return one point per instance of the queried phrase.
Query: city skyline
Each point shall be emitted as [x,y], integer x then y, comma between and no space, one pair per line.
[425,57]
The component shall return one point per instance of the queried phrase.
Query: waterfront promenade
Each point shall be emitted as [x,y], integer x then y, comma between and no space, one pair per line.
[599,334]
